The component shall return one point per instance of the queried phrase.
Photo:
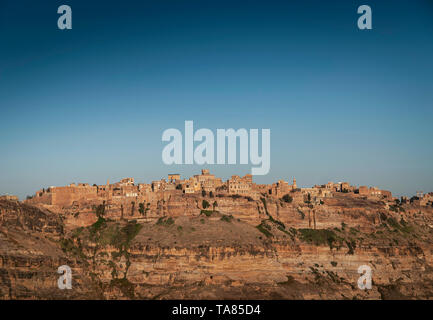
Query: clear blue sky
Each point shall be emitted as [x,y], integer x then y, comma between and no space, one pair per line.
[91,103]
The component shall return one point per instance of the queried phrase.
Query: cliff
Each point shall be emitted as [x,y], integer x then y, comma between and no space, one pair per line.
[264,249]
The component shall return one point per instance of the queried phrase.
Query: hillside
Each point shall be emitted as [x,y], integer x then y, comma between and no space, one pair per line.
[218,255]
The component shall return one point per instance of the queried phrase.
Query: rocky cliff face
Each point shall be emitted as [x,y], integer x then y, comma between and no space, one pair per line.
[265,249]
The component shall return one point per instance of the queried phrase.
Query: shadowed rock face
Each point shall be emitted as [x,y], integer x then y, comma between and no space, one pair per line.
[242,250]
[15,215]
[30,254]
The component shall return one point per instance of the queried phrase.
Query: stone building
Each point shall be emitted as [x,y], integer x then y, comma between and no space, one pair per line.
[174,178]
[374,192]
[339,187]
[158,185]
[188,186]
[201,182]
[126,182]
[208,182]
[282,188]
[9,197]
[65,196]
[240,186]
[144,188]
[427,199]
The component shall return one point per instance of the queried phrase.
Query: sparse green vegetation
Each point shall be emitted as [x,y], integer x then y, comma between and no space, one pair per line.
[99,210]
[104,233]
[127,233]
[207,213]
[141,208]
[319,237]
[403,226]
[265,229]
[351,245]
[98,225]
[279,223]
[227,218]
[68,246]
[414,198]
[125,286]
[205,204]
[287,198]
[301,213]
[77,232]
[264,205]
[353,231]
[164,221]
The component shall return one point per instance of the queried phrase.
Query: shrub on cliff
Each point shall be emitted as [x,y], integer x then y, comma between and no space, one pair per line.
[264,205]
[125,286]
[68,246]
[207,213]
[403,226]
[98,225]
[301,213]
[265,229]
[319,237]
[287,198]
[128,232]
[165,222]
[278,222]
[141,208]
[414,198]
[227,218]
[351,245]
[205,204]
[393,208]
[99,210]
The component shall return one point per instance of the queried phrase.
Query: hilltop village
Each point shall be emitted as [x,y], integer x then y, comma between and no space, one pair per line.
[239,196]
[202,237]
[205,184]
[81,204]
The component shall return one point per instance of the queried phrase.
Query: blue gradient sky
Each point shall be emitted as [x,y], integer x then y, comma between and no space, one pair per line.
[90,104]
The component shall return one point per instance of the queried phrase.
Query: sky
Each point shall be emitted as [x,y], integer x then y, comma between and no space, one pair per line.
[91,103]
